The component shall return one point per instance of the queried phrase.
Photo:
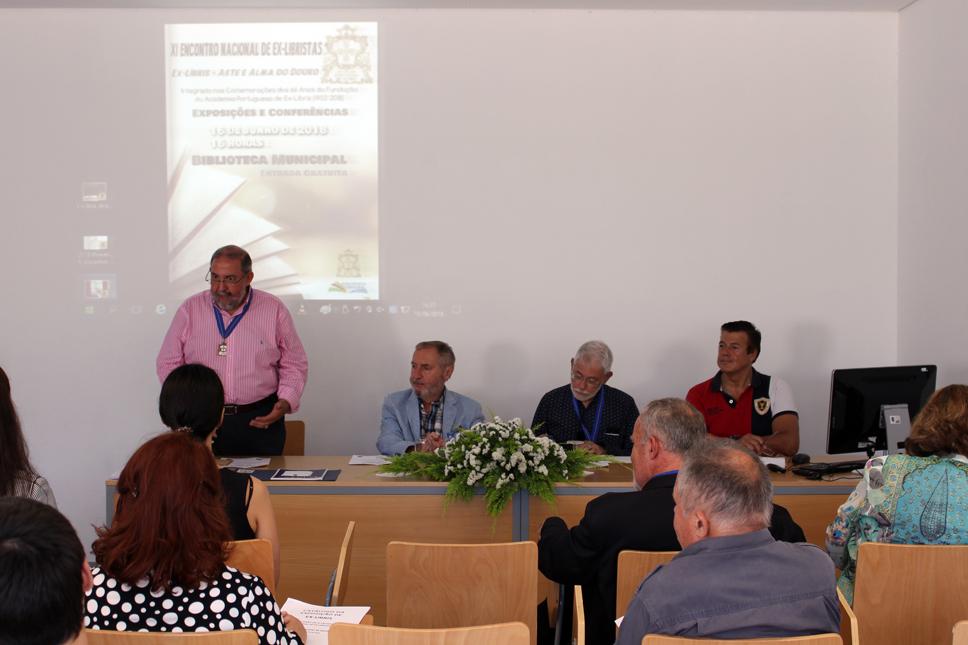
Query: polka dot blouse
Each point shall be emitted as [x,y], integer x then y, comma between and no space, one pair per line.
[234,600]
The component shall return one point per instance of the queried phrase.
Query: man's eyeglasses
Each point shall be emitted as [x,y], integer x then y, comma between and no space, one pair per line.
[589,381]
[230,280]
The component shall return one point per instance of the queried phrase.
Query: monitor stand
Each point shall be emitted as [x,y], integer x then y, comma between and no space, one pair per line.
[897,423]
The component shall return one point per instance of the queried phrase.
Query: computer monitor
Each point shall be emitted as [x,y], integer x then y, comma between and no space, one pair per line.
[857,397]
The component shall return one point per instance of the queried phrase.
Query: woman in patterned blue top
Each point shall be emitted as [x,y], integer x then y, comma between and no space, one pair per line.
[162,561]
[917,498]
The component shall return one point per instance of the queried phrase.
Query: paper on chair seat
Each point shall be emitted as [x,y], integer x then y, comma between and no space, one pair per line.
[317,619]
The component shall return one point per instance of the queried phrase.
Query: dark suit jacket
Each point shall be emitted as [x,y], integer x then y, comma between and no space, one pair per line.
[639,520]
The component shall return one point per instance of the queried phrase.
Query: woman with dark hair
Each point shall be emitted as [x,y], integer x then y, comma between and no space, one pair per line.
[915,498]
[161,563]
[17,476]
[191,402]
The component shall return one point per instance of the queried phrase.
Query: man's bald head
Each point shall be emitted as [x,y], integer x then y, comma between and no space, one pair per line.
[725,488]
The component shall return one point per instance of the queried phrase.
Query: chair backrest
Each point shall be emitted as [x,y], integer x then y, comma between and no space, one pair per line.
[578,629]
[910,593]
[848,621]
[633,567]
[501,634]
[235,637]
[295,445]
[255,557]
[461,585]
[819,639]
[341,575]
[960,633]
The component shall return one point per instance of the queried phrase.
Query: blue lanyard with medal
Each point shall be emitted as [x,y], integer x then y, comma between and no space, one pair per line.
[598,416]
[224,331]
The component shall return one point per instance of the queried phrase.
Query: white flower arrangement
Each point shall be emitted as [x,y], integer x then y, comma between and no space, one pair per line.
[503,457]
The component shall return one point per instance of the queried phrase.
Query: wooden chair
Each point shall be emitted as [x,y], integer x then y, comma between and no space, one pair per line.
[633,567]
[848,621]
[336,593]
[500,634]
[819,639]
[235,637]
[960,633]
[553,595]
[461,585]
[578,630]
[255,557]
[910,593]
[295,445]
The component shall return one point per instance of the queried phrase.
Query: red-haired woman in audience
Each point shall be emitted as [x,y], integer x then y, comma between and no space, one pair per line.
[161,563]
[191,401]
[916,498]
[17,476]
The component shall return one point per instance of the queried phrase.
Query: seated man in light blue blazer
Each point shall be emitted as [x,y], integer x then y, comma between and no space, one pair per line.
[424,417]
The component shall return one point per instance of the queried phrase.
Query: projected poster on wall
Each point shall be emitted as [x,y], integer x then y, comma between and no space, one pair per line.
[272,145]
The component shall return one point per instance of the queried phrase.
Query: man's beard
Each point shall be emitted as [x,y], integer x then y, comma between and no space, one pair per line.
[584,397]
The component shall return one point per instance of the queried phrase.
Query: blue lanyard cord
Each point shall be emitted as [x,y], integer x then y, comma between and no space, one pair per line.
[598,416]
[225,332]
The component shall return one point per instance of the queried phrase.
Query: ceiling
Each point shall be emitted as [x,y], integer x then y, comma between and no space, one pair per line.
[651,5]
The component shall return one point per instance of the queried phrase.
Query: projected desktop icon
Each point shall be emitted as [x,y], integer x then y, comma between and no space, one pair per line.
[95,242]
[94,191]
[326,309]
[100,288]
[393,309]
[161,309]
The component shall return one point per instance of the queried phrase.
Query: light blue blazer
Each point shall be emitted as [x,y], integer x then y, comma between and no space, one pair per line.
[400,427]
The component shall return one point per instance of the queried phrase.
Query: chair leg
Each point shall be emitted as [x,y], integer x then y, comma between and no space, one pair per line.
[560,618]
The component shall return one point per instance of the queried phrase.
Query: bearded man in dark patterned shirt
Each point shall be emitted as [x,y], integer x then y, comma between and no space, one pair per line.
[587,412]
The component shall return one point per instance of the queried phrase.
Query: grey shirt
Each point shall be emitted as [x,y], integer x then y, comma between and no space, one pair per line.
[738,586]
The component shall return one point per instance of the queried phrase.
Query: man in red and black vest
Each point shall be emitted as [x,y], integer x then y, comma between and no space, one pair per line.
[738,402]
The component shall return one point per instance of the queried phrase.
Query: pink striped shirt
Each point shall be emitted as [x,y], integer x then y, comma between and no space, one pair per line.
[264,353]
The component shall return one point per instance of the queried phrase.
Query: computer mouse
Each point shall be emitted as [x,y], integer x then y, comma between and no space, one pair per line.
[800,458]
[775,468]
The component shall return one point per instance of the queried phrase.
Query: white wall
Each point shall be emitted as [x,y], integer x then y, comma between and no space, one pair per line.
[933,191]
[561,175]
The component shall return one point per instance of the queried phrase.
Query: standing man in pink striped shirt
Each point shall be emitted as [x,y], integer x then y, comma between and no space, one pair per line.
[248,337]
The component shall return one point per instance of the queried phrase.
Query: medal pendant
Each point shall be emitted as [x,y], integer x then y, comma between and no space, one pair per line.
[223,349]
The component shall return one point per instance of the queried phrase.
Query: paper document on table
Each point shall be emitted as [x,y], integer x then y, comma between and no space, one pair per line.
[317,619]
[776,461]
[248,462]
[291,475]
[622,459]
[368,460]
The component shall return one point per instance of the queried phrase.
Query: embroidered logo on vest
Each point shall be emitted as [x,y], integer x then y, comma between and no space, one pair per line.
[762,405]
